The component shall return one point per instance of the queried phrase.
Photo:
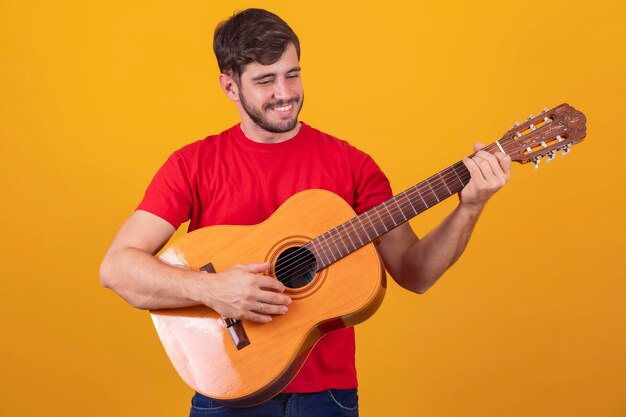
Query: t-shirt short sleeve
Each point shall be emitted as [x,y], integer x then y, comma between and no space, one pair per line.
[371,185]
[169,194]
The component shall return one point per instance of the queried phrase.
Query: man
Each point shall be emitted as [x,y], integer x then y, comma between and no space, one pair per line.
[241,176]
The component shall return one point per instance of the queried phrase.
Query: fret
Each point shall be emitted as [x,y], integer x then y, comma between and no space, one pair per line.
[371,224]
[313,245]
[457,176]
[420,194]
[356,231]
[380,218]
[431,188]
[333,234]
[404,194]
[332,252]
[390,215]
[454,183]
[444,183]
[326,241]
[464,173]
[349,237]
[400,207]
[364,228]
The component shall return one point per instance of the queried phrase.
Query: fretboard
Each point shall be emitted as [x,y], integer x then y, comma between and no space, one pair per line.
[373,223]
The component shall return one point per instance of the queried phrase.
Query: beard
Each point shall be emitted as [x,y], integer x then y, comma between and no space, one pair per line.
[259,117]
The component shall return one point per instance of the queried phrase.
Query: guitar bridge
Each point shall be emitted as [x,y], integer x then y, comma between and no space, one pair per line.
[237,332]
[235,327]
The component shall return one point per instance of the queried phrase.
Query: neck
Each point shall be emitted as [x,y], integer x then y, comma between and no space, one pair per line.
[256,134]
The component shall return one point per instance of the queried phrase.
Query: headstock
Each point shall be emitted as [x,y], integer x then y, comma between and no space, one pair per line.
[544,135]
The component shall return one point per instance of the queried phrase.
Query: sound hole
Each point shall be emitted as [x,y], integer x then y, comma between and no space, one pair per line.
[295,267]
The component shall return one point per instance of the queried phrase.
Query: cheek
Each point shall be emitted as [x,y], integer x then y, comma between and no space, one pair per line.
[262,97]
[297,90]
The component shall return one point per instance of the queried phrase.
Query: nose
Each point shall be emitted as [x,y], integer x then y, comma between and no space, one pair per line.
[281,91]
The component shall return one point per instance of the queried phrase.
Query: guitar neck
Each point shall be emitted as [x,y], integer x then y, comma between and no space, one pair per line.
[375,222]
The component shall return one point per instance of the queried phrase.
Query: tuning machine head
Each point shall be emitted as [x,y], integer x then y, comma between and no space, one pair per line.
[535,160]
[566,149]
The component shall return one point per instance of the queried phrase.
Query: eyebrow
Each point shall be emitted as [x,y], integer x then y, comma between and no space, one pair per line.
[272,74]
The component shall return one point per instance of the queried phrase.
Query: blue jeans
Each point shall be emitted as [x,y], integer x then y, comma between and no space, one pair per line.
[330,403]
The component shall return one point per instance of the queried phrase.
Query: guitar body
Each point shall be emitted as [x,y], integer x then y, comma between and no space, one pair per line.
[345,293]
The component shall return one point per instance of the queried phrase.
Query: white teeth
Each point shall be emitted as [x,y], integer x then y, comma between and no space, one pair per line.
[285,108]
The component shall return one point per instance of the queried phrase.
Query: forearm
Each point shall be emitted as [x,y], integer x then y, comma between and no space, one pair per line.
[146,282]
[427,259]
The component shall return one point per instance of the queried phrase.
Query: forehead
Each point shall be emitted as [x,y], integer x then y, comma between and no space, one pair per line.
[287,62]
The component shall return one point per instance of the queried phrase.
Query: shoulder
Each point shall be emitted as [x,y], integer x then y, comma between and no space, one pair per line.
[209,143]
[335,143]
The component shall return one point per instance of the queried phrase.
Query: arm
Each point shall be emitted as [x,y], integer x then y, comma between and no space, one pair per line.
[130,269]
[417,264]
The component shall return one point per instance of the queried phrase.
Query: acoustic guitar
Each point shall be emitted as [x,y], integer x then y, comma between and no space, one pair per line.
[324,255]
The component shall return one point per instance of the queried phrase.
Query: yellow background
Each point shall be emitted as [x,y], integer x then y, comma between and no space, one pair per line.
[530,322]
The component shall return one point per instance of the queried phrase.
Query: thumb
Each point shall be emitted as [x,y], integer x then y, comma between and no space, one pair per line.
[478,146]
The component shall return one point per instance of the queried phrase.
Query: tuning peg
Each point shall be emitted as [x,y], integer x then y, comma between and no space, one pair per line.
[545,109]
[567,149]
[559,138]
[551,156]
[536,161]
[530,117]
[515,124]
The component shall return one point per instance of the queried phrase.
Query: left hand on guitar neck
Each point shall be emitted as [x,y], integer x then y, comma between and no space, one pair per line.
[489,172]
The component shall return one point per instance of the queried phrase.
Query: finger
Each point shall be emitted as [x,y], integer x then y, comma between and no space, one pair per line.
[478,146]
[489,165]
[474,170]
[505,163]
[270,297]
[255,268]
[270,283]
[500,176]
[256,317]
[269,309]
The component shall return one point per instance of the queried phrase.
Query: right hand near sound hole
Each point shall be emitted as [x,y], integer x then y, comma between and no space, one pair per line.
[241,293]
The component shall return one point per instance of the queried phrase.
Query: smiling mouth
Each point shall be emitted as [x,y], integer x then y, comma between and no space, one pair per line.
[282,107]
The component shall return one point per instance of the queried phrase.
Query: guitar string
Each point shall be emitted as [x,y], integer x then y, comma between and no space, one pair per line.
[301,259]
[327,238]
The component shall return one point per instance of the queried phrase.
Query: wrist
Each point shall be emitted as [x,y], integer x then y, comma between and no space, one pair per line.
[198,289]
[471,211]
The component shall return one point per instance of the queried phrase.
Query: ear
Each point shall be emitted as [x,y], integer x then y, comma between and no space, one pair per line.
[229,86]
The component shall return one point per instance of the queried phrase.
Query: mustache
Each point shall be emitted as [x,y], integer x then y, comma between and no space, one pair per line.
[281,103]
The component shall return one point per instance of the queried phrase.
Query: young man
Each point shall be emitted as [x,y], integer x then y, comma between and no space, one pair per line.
[241,176]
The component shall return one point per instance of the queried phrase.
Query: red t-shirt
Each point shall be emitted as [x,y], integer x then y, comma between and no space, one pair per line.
[229,179]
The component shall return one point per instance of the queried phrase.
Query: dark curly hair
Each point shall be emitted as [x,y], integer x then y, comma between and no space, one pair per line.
[251,35]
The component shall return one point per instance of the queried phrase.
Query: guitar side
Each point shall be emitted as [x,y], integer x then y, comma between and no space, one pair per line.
[345,293]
